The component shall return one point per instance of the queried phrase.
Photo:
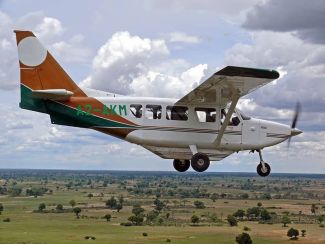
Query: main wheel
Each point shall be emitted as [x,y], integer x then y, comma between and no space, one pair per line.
[181,165]
[263,172]
[200,162]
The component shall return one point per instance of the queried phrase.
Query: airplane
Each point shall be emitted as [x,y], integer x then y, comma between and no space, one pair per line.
[202,126]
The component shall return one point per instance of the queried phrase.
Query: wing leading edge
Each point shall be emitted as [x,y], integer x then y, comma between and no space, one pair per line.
[227,83]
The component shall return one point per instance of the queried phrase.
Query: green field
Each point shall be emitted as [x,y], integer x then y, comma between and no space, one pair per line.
[289,195]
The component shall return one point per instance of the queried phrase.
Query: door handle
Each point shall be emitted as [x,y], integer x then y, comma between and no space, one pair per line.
[252,128]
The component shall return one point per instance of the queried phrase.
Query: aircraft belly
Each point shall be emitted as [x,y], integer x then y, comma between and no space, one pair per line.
[171,138]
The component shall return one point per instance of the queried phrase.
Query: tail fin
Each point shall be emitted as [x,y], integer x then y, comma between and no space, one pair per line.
[40,71]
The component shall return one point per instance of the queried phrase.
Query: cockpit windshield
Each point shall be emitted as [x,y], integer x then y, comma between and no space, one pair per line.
[244,116]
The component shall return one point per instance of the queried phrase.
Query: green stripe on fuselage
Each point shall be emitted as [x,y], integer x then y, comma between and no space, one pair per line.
[62,114]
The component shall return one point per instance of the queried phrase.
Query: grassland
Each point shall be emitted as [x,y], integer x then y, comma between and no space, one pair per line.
[290,195]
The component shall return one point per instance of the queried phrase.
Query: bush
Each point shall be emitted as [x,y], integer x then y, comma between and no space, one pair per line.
[293,234]
[126,224]
[168,240]
[303,233]
[195,219]
[322,225]
[244,238]
[199,204]
[90,238]
[232,220]
[6,220]
[246,228]
[145,234]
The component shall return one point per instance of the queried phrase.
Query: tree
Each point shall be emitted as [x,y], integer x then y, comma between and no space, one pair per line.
[300,213]
[259,204]
[151,216]
[159,205]
[253,212]
[15,191]
[195,219]
[303,233]
[267,196]
[108,217]
[293,233]
[313,208]
[59,207]
[121,199]
[137,210]
[136,219]
[119,206]
[285,220]
[239,213]
[41,207]
[90,195]
[244,238]
[244,196]
[1,208]
[199,204]
[72,203]
[320,219]
[111,203]
[265,215]
[232,220]
[214,197]
[77,211]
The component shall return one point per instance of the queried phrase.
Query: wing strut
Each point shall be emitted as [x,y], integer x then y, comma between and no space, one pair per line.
[227,119]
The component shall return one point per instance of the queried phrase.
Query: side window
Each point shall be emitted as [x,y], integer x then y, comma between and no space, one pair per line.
[206,114]
[136,110]
[177,113]
[153,112]
[234,120]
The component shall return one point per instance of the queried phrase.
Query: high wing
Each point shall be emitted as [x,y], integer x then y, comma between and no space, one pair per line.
[230,81]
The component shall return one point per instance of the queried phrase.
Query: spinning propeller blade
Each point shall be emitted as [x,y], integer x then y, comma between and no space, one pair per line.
[295,131]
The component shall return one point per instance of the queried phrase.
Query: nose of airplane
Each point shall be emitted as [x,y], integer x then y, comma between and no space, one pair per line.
[295,132]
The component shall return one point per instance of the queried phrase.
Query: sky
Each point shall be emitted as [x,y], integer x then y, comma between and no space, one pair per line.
[165,48]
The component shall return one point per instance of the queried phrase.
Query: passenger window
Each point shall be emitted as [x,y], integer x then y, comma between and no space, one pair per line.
[177,113]
[153,112]
[136,110]
[206,114]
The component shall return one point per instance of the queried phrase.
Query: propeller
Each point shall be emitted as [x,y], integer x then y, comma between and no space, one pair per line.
[295,131]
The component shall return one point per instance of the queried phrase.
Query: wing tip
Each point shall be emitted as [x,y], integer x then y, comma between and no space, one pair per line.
[248,72]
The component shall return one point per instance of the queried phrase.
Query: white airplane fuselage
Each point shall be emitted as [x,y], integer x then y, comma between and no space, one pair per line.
[175,135]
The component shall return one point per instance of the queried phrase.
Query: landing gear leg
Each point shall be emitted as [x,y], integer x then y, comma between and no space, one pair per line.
[263,168]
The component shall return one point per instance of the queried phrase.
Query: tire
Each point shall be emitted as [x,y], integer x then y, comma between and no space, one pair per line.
[181,165]
[260,171]
[200,162]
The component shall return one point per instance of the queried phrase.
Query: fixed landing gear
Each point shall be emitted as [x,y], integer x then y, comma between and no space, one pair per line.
[181,165]
[263,169]
[200,162]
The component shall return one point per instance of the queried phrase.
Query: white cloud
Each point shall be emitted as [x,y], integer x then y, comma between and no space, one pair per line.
[133,65]
[183,38]
[71,51]
[49,28]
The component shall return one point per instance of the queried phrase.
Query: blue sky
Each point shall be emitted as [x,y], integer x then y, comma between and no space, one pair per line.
[175,39]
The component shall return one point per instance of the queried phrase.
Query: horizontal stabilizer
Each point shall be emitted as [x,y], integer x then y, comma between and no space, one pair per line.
[52,94]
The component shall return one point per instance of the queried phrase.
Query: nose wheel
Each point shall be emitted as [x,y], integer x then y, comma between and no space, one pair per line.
[181,165]
[263,169]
